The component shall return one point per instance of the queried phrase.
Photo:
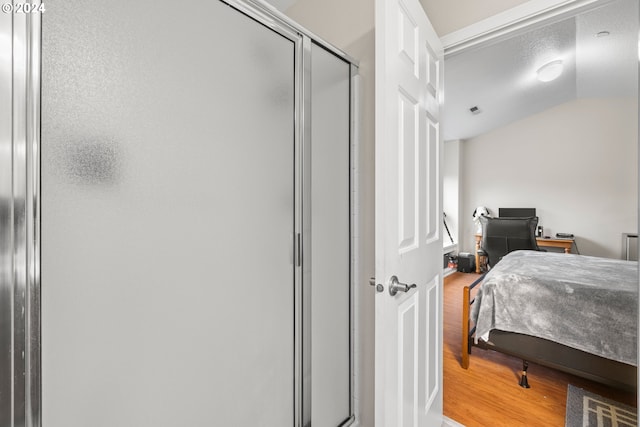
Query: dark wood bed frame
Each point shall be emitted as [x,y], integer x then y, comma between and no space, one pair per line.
[545,352]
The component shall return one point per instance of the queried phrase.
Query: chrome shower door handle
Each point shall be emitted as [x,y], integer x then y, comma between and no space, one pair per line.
[395,286]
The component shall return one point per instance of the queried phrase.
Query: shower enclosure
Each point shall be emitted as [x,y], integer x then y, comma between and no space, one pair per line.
[175,217]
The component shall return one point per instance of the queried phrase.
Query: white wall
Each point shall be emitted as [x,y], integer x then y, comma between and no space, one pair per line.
[575,163]
[450,189]
[451,15]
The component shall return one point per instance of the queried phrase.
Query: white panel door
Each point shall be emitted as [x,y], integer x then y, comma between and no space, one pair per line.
[408,211]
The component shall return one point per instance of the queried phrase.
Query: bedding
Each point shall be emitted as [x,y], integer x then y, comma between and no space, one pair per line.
[584,302]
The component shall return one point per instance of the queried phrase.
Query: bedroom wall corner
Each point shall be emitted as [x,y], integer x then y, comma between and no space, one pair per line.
[575,163]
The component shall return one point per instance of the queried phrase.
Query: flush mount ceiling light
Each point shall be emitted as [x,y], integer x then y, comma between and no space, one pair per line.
[603,34]
[550,71]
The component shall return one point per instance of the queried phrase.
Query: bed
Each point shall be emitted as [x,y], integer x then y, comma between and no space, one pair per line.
[575,313]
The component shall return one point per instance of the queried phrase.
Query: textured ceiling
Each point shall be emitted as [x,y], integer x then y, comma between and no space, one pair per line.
[500,78]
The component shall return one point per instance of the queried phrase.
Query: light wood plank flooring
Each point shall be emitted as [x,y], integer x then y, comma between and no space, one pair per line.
[487,394]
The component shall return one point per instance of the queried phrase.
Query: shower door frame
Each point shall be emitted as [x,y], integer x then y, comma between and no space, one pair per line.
[20,220]
[20,315]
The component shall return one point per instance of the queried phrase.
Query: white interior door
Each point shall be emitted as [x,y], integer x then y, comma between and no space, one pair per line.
[408,360]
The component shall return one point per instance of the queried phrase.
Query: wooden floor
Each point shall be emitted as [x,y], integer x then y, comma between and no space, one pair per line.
[487,394]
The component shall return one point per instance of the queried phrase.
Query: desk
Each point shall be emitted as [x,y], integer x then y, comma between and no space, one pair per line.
[565,244]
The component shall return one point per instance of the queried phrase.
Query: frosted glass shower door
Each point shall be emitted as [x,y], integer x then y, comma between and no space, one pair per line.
[330,239]
[168,216]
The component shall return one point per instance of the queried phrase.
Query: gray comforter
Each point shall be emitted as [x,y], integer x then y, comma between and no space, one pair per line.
[583,302]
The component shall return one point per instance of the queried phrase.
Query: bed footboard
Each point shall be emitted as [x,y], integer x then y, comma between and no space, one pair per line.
[467,331]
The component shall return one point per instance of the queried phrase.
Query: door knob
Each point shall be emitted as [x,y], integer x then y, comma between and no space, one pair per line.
[395,286]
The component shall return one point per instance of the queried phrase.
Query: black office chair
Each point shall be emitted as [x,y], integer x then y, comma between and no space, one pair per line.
[503,235]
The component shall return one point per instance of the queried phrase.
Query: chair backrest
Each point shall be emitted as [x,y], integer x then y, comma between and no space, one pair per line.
[503,235]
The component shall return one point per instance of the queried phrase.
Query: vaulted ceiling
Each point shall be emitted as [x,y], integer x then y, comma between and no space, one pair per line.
[599,50]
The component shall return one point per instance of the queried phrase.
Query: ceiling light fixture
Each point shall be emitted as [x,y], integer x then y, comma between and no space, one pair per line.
[603,34]
[550,71]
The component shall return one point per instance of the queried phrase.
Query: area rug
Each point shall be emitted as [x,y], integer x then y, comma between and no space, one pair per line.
[586,409]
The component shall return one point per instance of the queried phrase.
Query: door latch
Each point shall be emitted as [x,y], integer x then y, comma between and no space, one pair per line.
[379,287]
